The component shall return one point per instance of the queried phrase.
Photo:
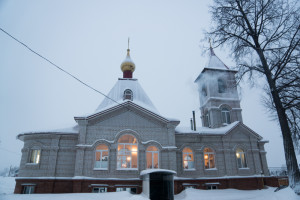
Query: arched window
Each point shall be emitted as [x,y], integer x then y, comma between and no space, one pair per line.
[209,158]
[225,116]
[152,156]
[221,86]
[241,158]
[188,158]
[101,159]
[127,152]
[128,95]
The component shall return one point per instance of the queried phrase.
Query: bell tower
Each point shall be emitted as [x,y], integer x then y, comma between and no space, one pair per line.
[219,100]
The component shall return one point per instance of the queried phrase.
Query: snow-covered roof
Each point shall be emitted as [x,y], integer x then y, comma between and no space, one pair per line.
[214,62]
[116,93]
[71,130]
[149,171]
[206,130]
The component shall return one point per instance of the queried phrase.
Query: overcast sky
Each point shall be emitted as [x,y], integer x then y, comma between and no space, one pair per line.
[89,40]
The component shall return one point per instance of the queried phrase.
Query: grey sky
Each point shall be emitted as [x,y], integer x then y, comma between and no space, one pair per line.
[89,39]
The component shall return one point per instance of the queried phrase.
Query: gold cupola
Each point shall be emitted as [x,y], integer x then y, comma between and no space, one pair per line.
[127,66]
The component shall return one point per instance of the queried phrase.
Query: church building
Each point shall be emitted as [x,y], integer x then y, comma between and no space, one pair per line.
[107,150]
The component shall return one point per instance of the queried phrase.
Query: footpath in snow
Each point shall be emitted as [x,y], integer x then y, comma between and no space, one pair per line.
[7,185]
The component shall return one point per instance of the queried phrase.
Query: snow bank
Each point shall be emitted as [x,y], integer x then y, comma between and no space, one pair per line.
[7,185]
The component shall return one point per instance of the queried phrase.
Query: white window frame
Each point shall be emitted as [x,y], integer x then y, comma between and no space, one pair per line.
[207,120]
[28,189]
[152,158]
[127,153]
[241,156]
[100,189]
[34,156]
[225,114]
[101,157]
[184,156]
[208,156]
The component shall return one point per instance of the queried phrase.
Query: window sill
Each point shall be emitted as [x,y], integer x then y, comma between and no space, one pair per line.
[100,169]
[211,169]
[127,169]
[32,164]
[244,168]
[189,169]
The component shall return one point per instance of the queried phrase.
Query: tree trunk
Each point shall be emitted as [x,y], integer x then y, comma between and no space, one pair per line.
[290,156]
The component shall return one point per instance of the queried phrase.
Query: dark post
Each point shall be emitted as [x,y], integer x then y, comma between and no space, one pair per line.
[194,119]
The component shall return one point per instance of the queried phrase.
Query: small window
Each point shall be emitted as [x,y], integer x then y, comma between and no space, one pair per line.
[221,86]
[188,158]
[207,120]
[121,189]
[152,157]
[225,116]
[99,189]
[241,158]
[35,155]
[211,187]
[128,95]
[28,189]
[209,158]
[101,160]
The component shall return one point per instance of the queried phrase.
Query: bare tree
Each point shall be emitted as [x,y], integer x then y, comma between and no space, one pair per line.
[264,37]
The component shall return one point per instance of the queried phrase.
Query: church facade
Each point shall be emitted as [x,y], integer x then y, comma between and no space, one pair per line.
[107,150]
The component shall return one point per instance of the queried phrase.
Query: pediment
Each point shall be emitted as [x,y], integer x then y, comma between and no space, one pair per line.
[241,131]
[127,106]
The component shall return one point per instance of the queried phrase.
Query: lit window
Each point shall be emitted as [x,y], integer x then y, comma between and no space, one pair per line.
[221,86]
[225,116]
[28,189]
[209,158]
[188,158]
[241,158]
[152,154]
[101,160]
[128,95]
[99,189]
[127,152]
[35,155]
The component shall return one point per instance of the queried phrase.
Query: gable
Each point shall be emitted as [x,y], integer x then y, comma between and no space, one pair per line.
[242,132]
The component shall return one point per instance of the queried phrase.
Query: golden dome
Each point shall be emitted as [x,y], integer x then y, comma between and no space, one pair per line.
[128,64]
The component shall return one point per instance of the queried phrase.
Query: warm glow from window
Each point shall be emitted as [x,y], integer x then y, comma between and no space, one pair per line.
[152,157]
[209,158]
[101,160]
[241,158]
[127,152]
[188,158]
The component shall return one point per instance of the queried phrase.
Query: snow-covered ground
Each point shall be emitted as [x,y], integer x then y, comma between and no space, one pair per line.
[7,185]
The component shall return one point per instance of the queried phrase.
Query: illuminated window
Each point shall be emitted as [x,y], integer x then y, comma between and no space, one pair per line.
[209,158]
[221,86]
[35,155]
[241,158]
[188,158]
[101,161]
[152,154]
[225,116]
[127,152]
[128,95]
